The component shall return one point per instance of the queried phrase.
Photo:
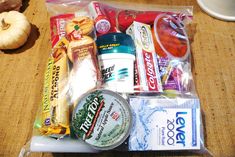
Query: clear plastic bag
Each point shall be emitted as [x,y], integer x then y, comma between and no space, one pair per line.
[142,53]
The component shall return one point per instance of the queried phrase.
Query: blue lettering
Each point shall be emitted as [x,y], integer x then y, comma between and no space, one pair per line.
[180,136]
[180,121]
[177,113]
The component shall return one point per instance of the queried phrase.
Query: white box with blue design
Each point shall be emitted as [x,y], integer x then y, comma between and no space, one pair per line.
[165,124]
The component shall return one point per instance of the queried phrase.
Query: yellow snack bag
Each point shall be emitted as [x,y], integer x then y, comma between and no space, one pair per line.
[55,108]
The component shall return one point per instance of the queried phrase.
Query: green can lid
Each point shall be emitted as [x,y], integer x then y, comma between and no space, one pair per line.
[115,43]
[102,118]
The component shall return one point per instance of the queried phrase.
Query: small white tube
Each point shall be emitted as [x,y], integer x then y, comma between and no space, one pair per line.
[47,144]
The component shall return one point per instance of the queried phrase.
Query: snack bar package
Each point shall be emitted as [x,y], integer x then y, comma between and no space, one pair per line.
[54,116]
[118,78]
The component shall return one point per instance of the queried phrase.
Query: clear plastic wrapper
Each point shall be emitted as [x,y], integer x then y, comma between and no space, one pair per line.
[101,52]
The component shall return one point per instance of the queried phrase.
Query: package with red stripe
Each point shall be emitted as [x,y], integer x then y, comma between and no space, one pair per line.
[147,76]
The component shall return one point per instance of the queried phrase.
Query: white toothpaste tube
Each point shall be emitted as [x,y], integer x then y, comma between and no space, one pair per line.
[165,124]
[147,76]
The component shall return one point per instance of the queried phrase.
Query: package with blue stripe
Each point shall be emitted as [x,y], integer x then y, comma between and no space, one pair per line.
[165,124]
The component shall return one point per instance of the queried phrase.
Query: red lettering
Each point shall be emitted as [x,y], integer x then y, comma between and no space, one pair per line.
[150,71]
[97,9]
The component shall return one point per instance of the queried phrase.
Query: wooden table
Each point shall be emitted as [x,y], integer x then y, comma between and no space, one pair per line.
[213,51]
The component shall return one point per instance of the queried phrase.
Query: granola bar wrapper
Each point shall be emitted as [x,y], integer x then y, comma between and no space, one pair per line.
[55,108]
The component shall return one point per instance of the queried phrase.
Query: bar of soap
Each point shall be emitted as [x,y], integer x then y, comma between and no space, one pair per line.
[165,124]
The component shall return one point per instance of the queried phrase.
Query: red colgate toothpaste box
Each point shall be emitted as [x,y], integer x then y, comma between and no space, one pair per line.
[147,76]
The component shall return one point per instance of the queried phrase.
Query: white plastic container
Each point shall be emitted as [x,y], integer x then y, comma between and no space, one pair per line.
[118,70]
[220,9]
[116,61]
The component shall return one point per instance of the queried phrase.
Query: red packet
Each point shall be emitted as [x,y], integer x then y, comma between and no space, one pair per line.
[57,25]
[126,17]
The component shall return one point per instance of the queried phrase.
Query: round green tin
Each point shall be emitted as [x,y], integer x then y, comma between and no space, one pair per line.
[102,118]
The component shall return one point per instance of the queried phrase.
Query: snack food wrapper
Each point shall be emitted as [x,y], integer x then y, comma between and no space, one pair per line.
[84,74]
[55,110]
[102,46]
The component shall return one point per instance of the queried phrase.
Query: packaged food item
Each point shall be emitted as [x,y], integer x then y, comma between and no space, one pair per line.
[77,29]
[116,55]
[102,118]
[79,49]
[147,77]
[170,38]
[165,124]
[85,73]
[74,51]
[175,75]
[71,25]
[55,108]
[58,26]
[78,26]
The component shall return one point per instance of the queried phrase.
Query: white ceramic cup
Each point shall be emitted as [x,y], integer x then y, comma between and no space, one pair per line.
[221,9]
